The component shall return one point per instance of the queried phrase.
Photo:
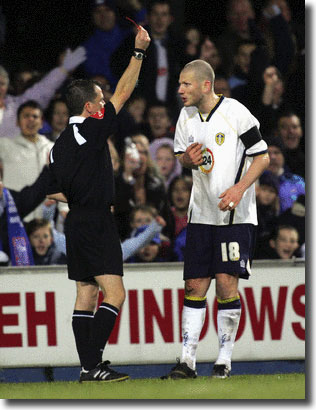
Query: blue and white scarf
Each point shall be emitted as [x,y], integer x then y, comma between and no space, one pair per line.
[20,248]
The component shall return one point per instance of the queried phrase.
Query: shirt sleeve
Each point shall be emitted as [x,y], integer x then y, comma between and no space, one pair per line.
[180,138]
[249,133]
[52,185]
[101,130]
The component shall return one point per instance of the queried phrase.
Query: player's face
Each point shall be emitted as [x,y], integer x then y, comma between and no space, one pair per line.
[165,161]
[291,131]
[190,89]
[30,121]
[286,243]
[41,240]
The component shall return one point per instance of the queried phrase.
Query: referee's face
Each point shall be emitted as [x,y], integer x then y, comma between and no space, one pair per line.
[190,89]
[97,104]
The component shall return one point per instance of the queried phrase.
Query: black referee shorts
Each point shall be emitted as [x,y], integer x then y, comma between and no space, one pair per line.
[93,244]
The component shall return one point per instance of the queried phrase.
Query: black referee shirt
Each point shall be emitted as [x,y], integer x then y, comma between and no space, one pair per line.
[80,161]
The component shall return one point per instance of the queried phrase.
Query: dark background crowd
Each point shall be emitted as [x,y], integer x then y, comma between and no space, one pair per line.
[257,50]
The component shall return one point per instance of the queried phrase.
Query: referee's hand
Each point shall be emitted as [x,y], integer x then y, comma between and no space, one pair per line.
[142,39]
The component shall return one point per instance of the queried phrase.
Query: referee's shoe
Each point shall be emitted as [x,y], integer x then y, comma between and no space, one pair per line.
[102,373]
[180,371]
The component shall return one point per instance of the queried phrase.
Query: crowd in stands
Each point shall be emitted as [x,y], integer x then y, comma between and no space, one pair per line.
[257,58]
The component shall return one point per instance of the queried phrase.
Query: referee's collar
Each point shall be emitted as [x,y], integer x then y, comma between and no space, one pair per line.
[76,119]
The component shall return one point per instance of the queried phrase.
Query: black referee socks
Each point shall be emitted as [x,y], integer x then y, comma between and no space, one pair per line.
[91,332]
[103,323]
[81,325]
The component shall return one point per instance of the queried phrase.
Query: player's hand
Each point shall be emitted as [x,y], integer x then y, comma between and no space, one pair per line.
[193,155]
[230,198]
[142,39]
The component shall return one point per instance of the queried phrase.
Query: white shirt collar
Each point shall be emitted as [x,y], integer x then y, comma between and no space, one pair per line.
[76,119]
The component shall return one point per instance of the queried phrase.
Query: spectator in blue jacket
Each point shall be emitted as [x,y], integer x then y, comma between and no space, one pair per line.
[291,185]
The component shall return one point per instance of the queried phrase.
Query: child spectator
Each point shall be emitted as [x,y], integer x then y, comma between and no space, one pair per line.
[141,217]
[283,244]
[44,249]
[136,107]
[57,116]
[162,153]
[179,197]
[158,122]
[268,206]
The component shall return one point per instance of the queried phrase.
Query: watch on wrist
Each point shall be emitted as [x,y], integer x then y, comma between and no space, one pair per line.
[139,54]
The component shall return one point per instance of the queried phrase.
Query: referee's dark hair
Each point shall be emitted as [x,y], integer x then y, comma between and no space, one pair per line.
[78,93]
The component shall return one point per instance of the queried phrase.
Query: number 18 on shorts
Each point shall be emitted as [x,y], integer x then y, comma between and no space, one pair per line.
[214,249]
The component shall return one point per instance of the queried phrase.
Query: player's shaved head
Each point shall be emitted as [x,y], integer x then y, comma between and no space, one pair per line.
[202,71]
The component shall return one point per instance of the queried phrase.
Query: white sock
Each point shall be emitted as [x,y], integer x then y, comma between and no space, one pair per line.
[192,323]
[227,326]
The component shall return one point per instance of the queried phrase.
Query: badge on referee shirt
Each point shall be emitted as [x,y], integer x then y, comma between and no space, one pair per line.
[208,163]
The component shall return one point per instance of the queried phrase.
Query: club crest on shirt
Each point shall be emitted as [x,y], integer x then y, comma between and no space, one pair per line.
[220,138]
[208,159]
[191,139]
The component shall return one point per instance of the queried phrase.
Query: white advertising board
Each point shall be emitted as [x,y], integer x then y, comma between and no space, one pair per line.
[36,306]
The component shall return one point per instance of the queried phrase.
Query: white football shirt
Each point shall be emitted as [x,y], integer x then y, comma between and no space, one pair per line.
[230,136]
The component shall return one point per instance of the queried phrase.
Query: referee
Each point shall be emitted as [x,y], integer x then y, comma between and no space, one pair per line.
[81,174]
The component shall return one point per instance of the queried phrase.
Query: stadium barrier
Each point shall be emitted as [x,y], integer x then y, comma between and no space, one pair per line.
[36,305]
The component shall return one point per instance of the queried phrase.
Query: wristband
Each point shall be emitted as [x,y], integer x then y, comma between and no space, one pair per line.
[140,50]
[139,55]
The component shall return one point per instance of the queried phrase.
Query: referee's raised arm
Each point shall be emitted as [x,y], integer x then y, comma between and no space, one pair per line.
[129,78]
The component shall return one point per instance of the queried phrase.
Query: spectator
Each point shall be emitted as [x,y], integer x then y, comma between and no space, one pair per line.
[14,206]
[283,244]
[179,197]
[42,91]
[267,195]
[140,219]
[209,53]
[291,133]
[275,26]
[168,165]
[44,249]
[295,216]
[138,183]
[240,17]
[221,86]
[291,185]
[193,37]
[57,116]
[136,106]
[25,78]
[271,102]
[160,71]
[24,157]
[250,61]
[107,36]
[158,121]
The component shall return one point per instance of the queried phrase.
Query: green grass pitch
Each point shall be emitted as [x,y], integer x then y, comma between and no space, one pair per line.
[278,386]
